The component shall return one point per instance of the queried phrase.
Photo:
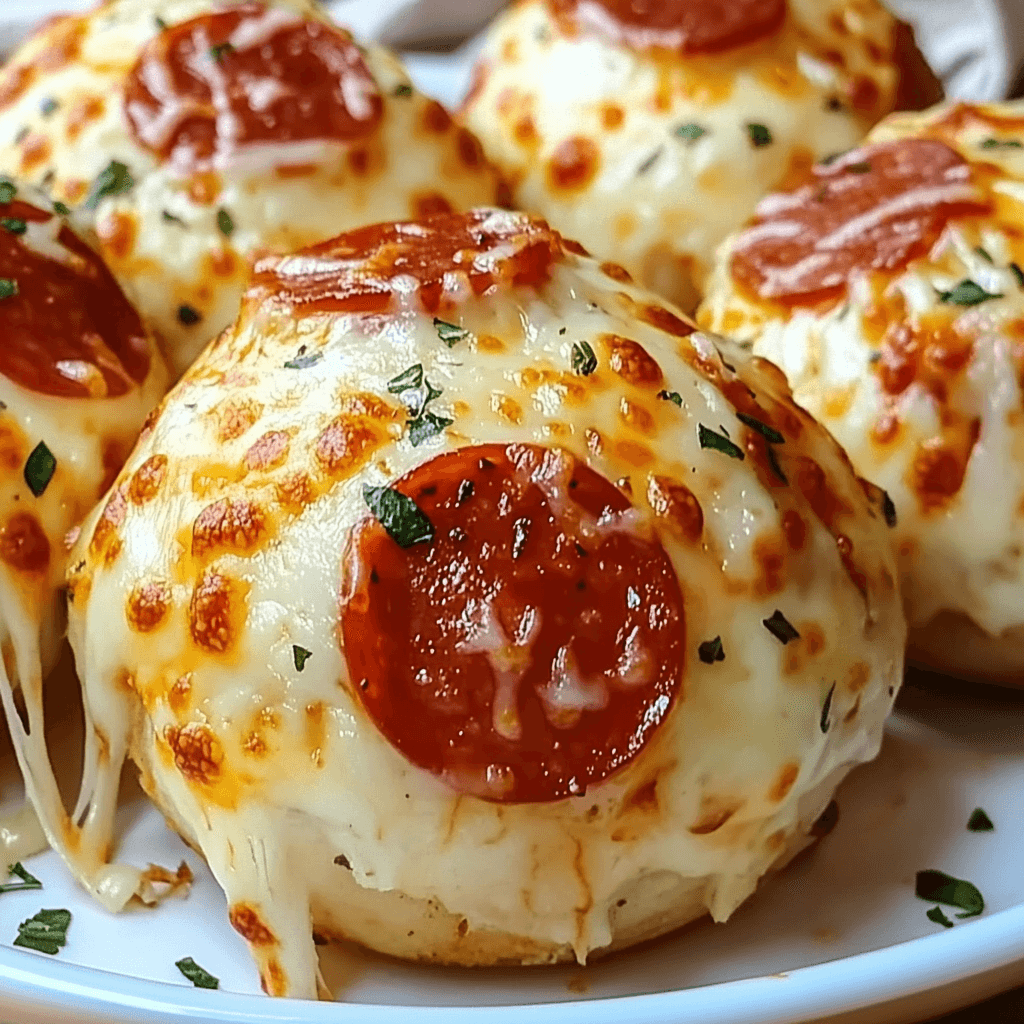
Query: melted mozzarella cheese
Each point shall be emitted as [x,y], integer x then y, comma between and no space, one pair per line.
[298,802]
[163,238]
[665,148]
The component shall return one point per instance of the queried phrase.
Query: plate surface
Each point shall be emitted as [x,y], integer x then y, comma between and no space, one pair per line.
[838,935]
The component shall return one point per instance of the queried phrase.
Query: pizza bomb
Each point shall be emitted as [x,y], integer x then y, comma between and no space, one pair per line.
[888,286]
[463,601]
[650,131]
[199,134]
[78,375]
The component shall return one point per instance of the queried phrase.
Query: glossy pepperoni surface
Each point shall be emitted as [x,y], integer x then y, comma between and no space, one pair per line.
[875,208]
[687,26]
[442,254]
[532,647]
[244,76]
[67,329]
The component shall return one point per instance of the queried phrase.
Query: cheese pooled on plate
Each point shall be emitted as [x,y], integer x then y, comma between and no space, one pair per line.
[464,601]
[650,131]
[200,134]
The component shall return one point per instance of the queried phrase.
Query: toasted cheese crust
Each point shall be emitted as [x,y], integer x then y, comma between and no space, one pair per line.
[915,367]
[209,601]
[651,156]
[100,108]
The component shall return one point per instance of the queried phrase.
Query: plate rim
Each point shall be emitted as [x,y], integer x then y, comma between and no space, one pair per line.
[872,978]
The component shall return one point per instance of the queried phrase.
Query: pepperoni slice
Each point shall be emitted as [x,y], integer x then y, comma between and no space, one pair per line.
[875,208]
[357,271]
[532,647]
[247,74]
[67,329]
[687,26]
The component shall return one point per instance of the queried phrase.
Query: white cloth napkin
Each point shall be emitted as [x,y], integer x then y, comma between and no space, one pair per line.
[976,46]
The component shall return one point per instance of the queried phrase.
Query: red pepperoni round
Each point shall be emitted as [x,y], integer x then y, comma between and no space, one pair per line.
[875,208]
[67,329]
[356,271]
[687,26]
[246,75]
[531,648]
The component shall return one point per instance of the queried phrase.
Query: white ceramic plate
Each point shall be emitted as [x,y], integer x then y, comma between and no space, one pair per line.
[839,935]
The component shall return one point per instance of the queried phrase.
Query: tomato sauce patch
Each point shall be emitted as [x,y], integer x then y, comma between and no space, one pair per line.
[533,645]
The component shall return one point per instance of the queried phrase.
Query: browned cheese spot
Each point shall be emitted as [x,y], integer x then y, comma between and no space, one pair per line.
[273,979]
[858,676]
[84,110]
[231,524]
[617,273]
[211,612]
[180,693]
[295,492]
[147,606]
[636,417]
[24,545]
[435,118]
[245,919]
[612,116]
[784,783]
[117,231]
[714,812]
[799,652]
[631,362]
[197,752]
[235,417]
[428,204]
[349,440]
[35,151]
[105,543]
[471,153]
[147,480]
[677,505]
[573,165]
[770,561]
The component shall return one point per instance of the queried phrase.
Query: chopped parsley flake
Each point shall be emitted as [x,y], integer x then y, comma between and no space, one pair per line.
[938,887]
[888,510]
[983,253]
[936,915]
[418,393]
[826,708]
[405,522]
[160,23]
[773,461]
[220,50]
[690,132]
[584,362]
[768,433]
[27,881]
[8,287]
[862,167]
[425,426]
[671,396]
[39,469]
[224,222]
[46,932]
[62,208]
[711,651]
[781,628]
[649,162]
[304,360]
[300,656]
[188,316]
[404,90]
[711,439]
[113,180]
[968,293]
[1017,273]
[23,133]
[450,334]
[1002,144]
[759,135]
[15,225]
[48,106]
[979,821]
[172,218]
[196,974]
[8,190]
[411,378]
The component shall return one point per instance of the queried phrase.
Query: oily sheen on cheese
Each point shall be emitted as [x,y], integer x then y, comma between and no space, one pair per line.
[895,305]
[465,602]
[78,375]
[650,131]
[199,134]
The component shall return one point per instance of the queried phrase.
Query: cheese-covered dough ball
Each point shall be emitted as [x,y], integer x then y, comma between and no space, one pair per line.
[888,286]
[198,134]
[475,608]
[78,376]
[650,131]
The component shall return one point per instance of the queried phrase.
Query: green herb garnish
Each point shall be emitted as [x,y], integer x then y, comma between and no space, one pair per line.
[979,821]
[826,708]
[425,426]
[773,461]
[8,190]
[649,162]
[62,208]
[39,469]
[160,23]
[172,218]
[411,378]
[1002,144]
[450,334]
[781,628]
[1017,273]
[113,180]
[671,396]
[584,362]
[15,225]
[719,442]
[983,253]
[711,651]
[195,973]
[936,915]
[968,293]
[224,222]
[690,132]
[404,520]
[48,106]
[888,510]
[8,287]
[759,135]
[768,433]
[938,887]
[219,50]
[188,316]
[300,656]
[303,359]
[403,90]
[46,932]
[27,881]
[862,167]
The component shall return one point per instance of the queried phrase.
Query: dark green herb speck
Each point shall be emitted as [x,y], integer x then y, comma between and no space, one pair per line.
[425,426]
[404,521]
[979,821]
[759,135]
[8,287]
[712,439]
[62,208]
[15,225]
[584,362]
[690,132]
[936,915]
[938,887]
[711,651]
[220,50]
[1017,273]
[826,708]
[113,180]
[450,334]
[671,396]
[8,190]
[46,932]
[224,222]
[1002,144]
[780,627]
[968,293]
[196,974]
[188,316]
[888,509]
[39,469]
[300,655]
[403,90]
[768,433]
